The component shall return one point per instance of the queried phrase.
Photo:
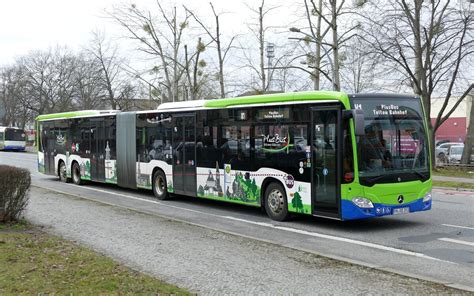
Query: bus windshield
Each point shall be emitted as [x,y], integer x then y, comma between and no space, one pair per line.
[14,135]
[394,147]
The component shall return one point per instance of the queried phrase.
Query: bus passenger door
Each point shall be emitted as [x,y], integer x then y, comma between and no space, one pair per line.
[49,148]
[97,150]
[184,154]
[326,161]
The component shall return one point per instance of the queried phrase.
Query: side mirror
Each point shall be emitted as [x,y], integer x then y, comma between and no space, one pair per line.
[358,116]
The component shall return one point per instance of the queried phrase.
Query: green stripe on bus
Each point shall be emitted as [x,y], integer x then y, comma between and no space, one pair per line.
[279,98]
[67,114]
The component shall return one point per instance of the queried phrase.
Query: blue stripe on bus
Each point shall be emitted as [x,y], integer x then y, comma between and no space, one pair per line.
[350,211]
[14,148]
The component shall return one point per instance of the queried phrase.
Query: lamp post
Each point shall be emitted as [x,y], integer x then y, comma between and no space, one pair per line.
[270,55]
[319,45]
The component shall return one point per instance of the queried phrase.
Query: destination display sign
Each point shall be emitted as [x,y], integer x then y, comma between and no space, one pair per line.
[389,109]
[401,108]
[277,113]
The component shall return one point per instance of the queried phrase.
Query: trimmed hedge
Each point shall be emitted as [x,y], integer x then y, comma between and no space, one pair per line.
[14,187]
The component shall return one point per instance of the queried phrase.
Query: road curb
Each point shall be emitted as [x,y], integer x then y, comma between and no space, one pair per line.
[468,190]
[316,253]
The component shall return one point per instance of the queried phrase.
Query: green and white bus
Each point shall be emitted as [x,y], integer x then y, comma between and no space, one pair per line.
[325,154]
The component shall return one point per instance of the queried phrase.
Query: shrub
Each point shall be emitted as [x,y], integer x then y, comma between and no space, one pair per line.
[14,186]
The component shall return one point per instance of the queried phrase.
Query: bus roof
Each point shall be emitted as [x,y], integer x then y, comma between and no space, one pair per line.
[258,99]
[75,114]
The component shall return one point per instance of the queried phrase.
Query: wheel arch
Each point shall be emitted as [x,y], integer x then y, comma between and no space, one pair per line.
[267,181]
[57,159]
[155,169]
[73,162]
[58,166]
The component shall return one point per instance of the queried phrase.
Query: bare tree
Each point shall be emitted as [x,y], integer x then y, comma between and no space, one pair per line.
[259,30]
[328,14]
[427,43]
[222,50]
[359,67]
[11,83]
[90,92]
[48,81]
[112,76]
[193,67]
[162,40]
[468,144]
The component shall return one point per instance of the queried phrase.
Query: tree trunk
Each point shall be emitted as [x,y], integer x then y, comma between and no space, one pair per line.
[335,47]
[262,43]
[219,55]
[466,155]
[317,57]
[426,99]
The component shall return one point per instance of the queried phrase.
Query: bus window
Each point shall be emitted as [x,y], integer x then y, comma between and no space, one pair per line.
[153,138]
[75,137]
[283,147]
[85,136]
[271,139]
[207,151]
[235,146]
[12,134]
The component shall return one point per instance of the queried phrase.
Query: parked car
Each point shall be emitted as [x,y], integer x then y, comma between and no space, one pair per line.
[455,153]
[442,150]
[439,142]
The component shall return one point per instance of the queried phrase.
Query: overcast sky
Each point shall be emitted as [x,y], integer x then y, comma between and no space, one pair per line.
[27,25]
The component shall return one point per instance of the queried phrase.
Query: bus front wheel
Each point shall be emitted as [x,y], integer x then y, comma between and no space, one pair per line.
[160,189]
[76,174]
[276,204]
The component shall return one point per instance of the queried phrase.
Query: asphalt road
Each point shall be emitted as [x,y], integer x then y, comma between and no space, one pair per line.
[437,245]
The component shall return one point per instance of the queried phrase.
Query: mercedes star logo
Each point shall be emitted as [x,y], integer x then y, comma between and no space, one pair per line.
[400,199]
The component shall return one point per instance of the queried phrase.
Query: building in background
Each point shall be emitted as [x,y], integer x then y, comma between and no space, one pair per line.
[455,127]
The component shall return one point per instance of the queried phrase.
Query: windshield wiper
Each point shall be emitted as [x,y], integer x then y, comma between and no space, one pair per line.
[374,179]
[422,176]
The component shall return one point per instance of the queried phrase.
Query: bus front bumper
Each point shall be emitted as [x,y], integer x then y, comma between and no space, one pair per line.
[11,147]
[350,211]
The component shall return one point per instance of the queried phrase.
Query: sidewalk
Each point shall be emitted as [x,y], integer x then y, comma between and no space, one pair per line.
[453,179]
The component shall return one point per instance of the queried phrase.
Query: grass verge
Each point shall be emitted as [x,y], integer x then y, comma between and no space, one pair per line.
[35,263]
[454,172]
[453,184]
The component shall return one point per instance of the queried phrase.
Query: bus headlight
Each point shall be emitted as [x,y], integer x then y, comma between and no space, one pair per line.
[427,196]
[362,202]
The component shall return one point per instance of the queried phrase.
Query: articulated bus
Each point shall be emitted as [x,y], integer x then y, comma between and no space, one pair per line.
[326,154]
[12,138]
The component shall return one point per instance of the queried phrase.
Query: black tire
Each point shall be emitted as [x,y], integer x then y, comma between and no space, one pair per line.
[76,174]
[62,172]
[159,185]
[276,204]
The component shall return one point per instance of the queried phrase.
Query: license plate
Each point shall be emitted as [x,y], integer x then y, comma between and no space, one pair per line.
[401,211]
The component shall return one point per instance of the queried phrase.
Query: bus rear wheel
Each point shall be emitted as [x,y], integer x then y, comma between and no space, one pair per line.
[276,204]
[62,172]
[76,174]
[160,189]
